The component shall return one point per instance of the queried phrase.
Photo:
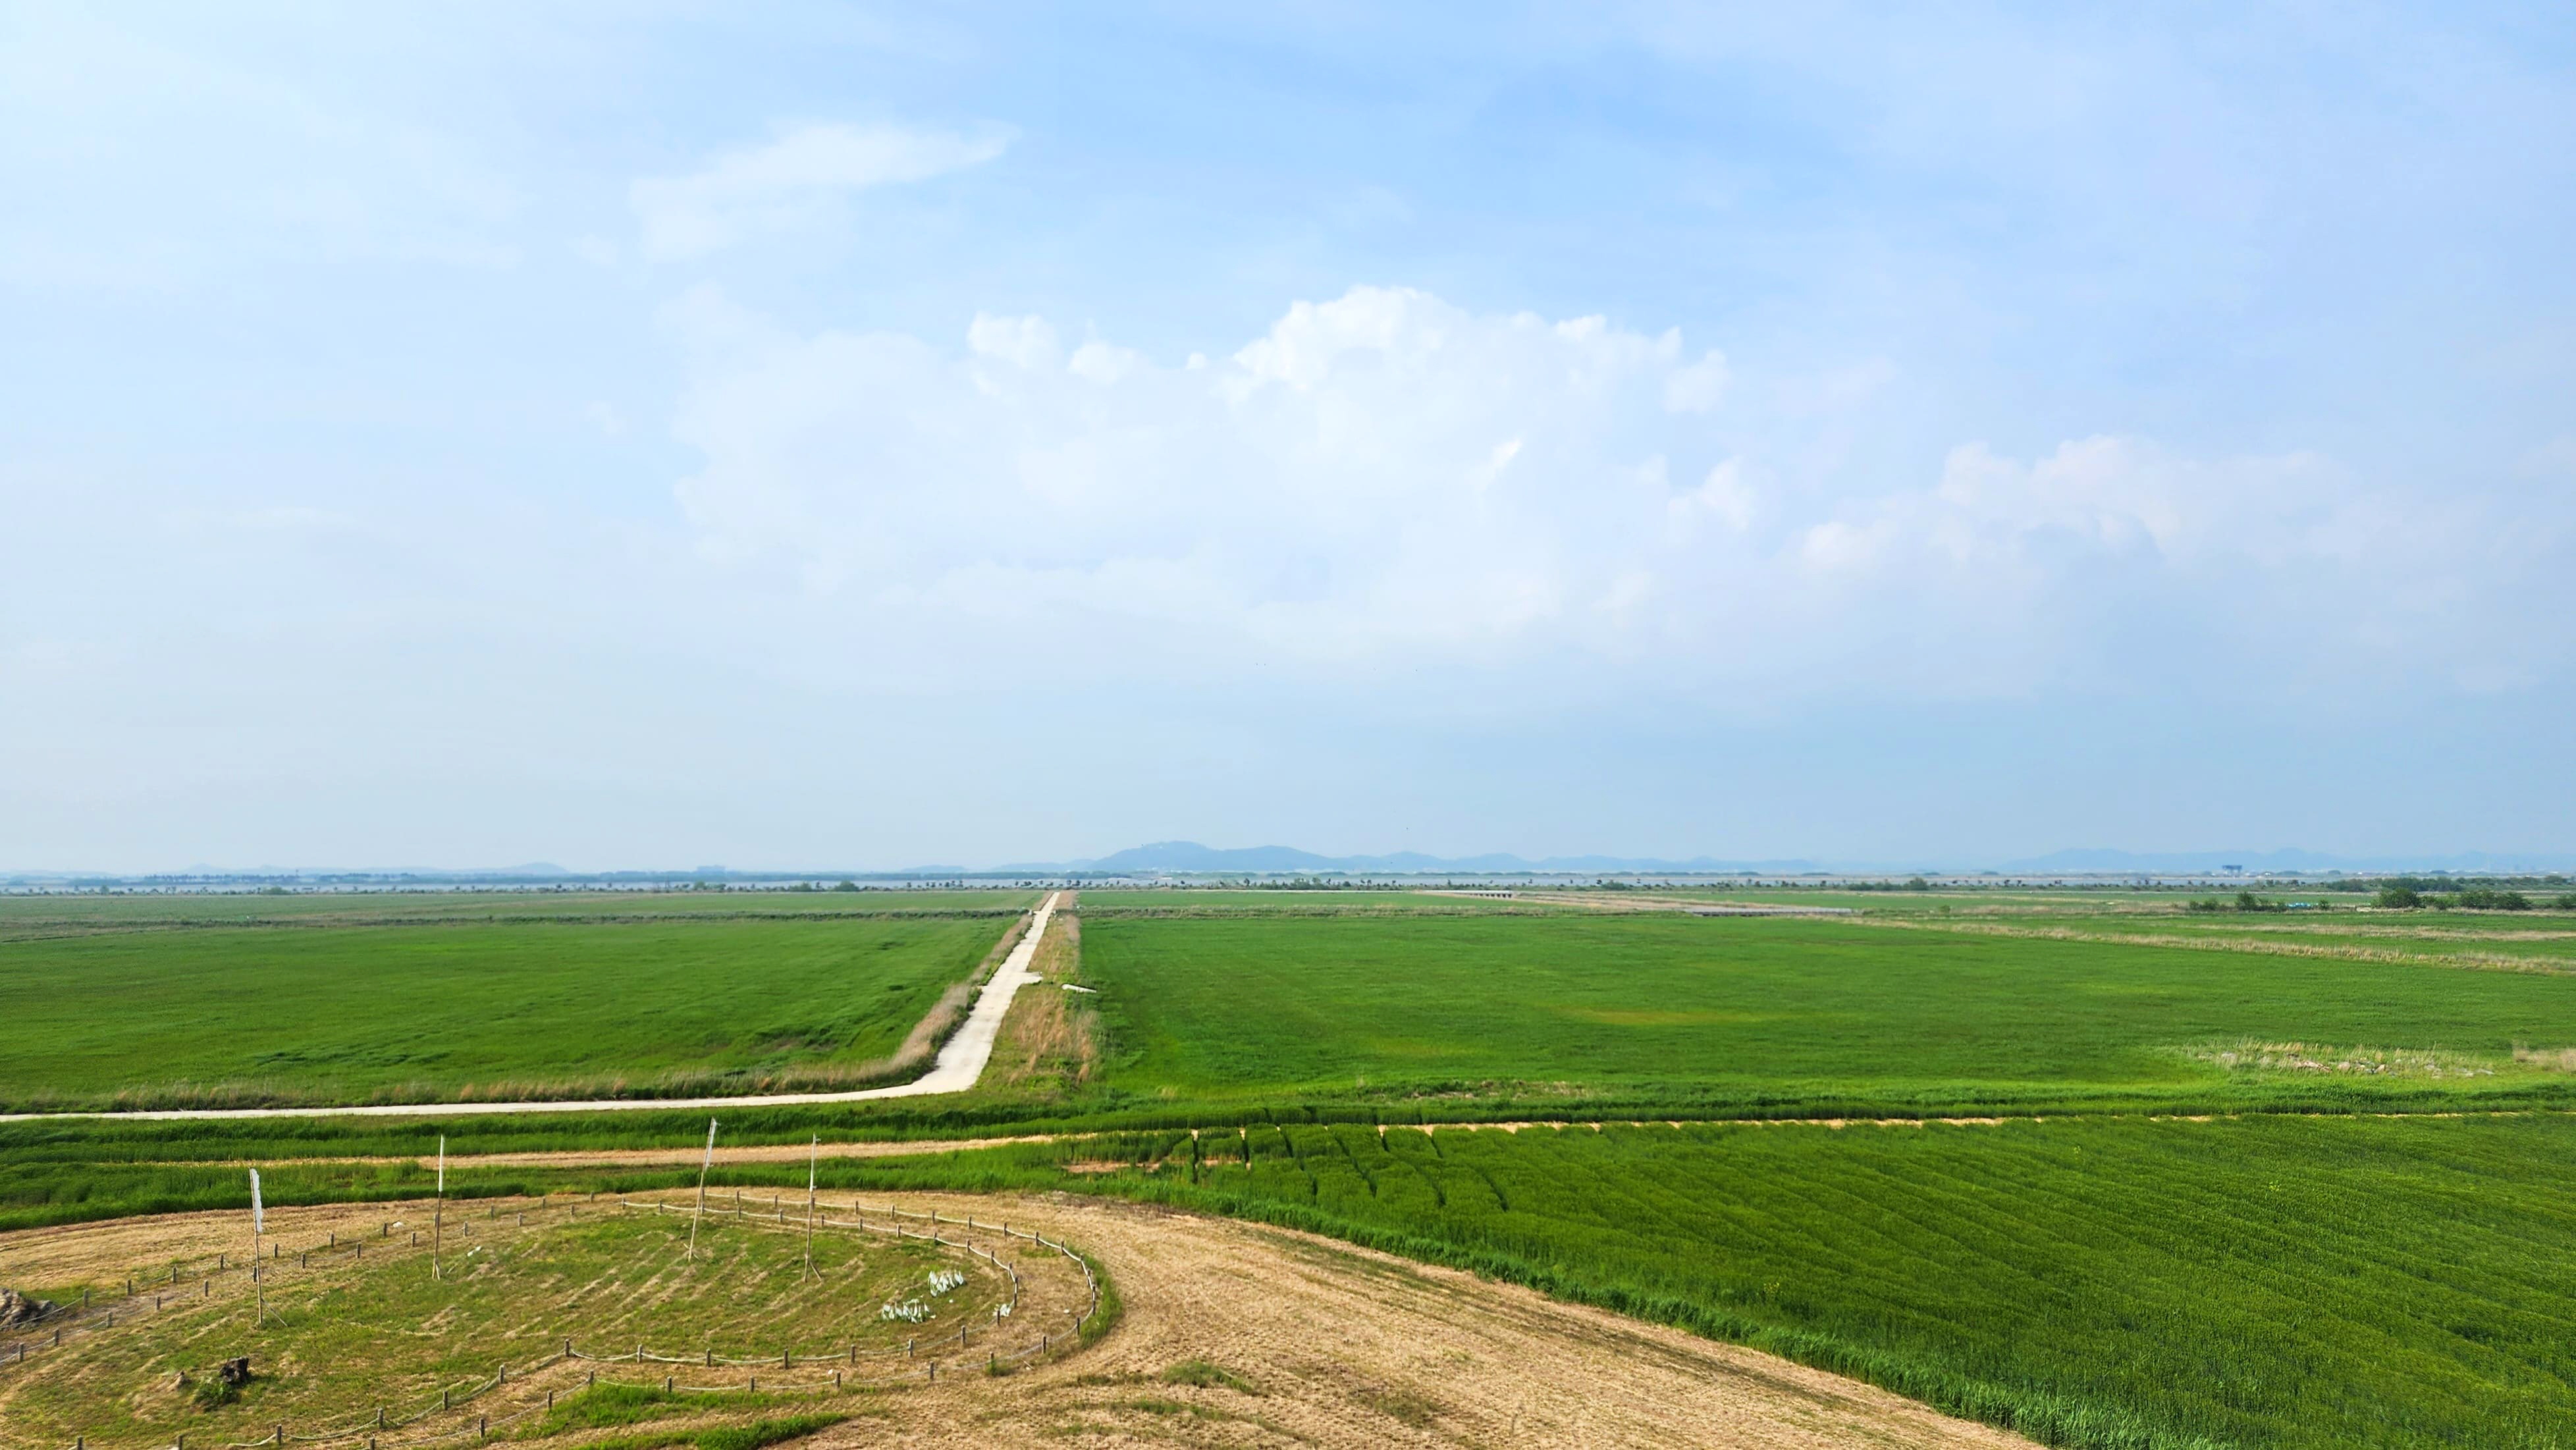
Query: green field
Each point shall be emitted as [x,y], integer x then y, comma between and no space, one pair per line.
[2270,1281]
[2092,1270]
[1764,1015]
[410,1013]
[46,915]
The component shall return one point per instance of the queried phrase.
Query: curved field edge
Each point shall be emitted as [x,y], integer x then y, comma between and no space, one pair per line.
[833,1003]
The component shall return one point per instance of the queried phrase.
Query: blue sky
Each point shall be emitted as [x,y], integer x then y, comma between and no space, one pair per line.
[860,436]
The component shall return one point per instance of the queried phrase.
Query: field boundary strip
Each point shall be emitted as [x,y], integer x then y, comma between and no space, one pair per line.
[863,1150]
[960,1063]
[2457,961]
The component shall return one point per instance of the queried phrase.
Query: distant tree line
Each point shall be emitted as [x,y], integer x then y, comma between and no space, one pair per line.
[2408,896]
[2248,901]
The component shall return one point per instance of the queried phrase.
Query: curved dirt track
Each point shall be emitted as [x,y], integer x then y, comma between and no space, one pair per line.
[1339,1346]
[1348,1347]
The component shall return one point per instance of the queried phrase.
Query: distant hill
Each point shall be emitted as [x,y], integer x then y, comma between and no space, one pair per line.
[1191,856]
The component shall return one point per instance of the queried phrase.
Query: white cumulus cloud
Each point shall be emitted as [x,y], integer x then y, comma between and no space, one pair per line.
[1387,476]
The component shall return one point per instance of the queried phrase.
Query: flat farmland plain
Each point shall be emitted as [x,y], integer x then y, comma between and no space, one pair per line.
[2177,1220]
[320,1012]
[1799,1015]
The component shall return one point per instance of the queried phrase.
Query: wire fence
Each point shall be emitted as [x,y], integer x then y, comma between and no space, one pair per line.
[826,1371]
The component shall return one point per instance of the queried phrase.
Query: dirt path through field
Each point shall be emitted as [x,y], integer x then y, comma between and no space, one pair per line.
[1281,1339]
[961,1061]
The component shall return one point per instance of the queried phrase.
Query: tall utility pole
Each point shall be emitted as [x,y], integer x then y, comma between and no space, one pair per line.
[256,1225]
[813,1151]
[710,1162]
[438,1212]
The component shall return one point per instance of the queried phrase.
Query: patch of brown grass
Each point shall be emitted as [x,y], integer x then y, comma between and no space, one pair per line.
[2465,961]
[1049,1038]
[2364,1061]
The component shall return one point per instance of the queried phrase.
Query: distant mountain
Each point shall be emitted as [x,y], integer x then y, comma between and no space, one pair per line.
[1191,856]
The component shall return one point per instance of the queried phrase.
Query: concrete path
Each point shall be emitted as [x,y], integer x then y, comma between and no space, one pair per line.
[961,1062]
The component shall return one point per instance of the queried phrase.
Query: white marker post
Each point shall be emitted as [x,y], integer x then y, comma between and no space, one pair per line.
[438,1213]
[710,1162]
[813,1151]
[257,1225]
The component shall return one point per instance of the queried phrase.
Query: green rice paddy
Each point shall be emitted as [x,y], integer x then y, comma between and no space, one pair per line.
[1762,1016]
[264,1014]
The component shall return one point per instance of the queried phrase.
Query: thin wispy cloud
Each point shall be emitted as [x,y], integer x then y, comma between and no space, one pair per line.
[775,186]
